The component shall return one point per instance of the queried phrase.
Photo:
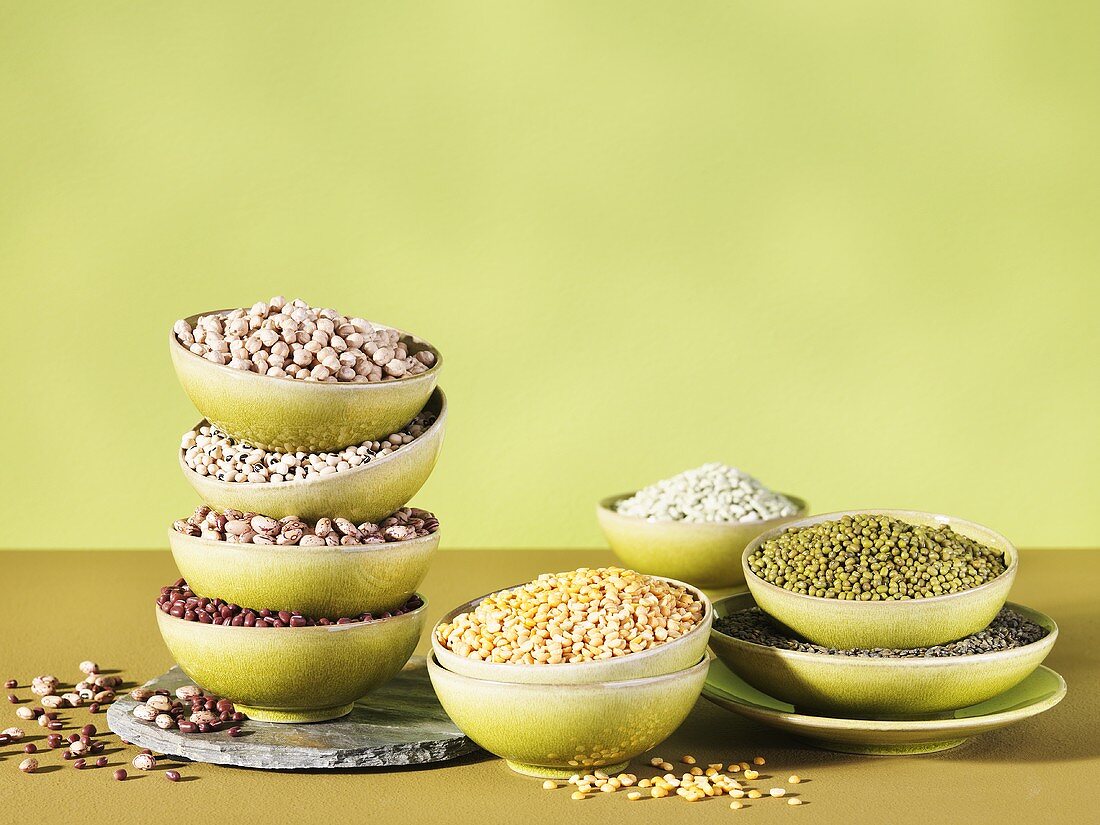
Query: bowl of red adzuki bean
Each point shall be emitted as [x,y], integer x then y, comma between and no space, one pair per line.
[283,666]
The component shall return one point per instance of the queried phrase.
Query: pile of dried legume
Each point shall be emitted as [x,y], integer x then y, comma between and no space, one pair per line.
[694,785]
[86,747]
[210,452]
[874,558]
[180,601]
[713,492]
[191,711]
[579,616]
[1008,630]
[291,339]
[236,527]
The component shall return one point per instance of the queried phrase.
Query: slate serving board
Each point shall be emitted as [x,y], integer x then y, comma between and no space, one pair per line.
[401,723]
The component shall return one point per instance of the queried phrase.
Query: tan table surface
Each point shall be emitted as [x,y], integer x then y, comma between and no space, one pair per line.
[58,608]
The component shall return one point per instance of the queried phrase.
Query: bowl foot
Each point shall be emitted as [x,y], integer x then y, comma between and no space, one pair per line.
[544,772]
[296,715]
[884,748]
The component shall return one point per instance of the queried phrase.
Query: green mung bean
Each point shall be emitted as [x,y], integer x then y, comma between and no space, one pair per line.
[869,557]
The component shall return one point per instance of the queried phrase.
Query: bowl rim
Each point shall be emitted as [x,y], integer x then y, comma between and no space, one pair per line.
[1007,575]
[708,614]
[434,368]
[898,725]
[332,628]
[277,549]
[344,475]
[827,660]
[702,664]
[606,505]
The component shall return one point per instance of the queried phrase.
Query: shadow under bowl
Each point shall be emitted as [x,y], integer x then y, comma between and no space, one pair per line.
[554,730]
[369,492]
[877,688]
[314,581]
[664,658]
[706,554]
[289,415]
[293,674]
[903,623]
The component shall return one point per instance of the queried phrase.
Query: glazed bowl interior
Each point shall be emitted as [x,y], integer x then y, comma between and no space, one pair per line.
[706,554]
[369,492]
[555,730]
[877,688]
[290,415]
[664,658]
[314,581]
[293,674]
[906,623]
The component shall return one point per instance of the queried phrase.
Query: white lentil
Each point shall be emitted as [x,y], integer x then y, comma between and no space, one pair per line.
[711,493]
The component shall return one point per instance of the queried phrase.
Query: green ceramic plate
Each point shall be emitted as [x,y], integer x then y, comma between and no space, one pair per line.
[1040,691]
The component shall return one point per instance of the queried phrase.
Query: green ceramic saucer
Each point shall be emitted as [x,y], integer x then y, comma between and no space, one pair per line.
[1040,691]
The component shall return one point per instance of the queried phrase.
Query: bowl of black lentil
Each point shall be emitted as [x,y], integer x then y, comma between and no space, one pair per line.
[881,578]
[879,683]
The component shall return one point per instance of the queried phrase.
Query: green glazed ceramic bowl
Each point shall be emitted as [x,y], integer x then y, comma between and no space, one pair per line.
[877,688]
[554,731]
[293,674]
[666,658]
[900,624]
[369,492]
[289,415]
[1039,692]
[706,554]
[315,581]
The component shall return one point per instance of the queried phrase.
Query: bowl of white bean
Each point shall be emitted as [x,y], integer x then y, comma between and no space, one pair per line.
[285,376]
[704,553]
[364,482]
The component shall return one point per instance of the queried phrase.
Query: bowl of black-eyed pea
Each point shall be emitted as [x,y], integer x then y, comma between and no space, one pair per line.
[363,481]
[881,578]
[283,375]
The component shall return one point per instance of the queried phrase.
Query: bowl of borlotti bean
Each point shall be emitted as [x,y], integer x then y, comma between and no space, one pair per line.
[362,482]
[879,683]
[881,578]
[283,666]
[328,567]
[283,375]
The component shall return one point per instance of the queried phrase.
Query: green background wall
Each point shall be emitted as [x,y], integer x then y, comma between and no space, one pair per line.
[851,247]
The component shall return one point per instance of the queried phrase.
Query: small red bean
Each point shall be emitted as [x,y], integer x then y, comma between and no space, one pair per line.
[120,774]
[78,764]
[30,748]
[13,698]
[235,732]
[94,707]
[101,762]
[11,683]
[88,730]
[172,776]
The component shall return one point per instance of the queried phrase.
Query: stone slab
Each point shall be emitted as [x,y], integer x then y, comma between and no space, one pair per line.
[401,723]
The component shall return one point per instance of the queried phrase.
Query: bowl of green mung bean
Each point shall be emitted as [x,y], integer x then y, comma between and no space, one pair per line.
[881,578]
[879,683]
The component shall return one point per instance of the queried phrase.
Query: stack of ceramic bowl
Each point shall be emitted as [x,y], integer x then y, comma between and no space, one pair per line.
[311,673]
[705,553]
[554,720]
[881,704]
